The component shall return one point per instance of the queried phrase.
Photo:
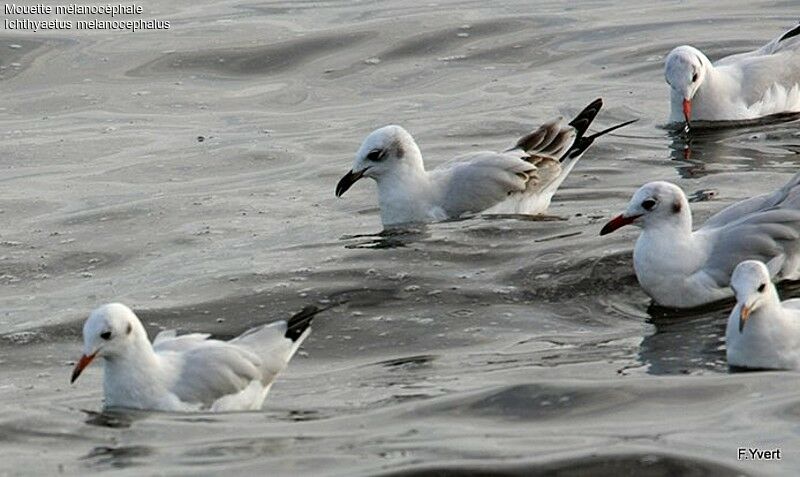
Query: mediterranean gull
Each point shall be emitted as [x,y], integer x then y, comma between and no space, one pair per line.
[681,268]
[188,372]
[762,331]
[520,180]
[738,87]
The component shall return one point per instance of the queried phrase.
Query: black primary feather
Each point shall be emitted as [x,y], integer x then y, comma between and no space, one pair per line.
[301,320]
[791,33]
[581,124]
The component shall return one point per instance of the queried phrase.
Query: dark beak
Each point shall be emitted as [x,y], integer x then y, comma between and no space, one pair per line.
[687,111]
[81,365]
[617,222]
[347,181]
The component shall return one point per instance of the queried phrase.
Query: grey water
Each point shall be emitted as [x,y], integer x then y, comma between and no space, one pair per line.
[190,174]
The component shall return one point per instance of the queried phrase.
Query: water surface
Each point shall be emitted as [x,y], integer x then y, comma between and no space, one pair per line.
[190,174]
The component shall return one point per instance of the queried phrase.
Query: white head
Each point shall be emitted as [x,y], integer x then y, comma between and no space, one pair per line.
[111,331]
[753,288]
[385,151]
[685,69]
[655,203]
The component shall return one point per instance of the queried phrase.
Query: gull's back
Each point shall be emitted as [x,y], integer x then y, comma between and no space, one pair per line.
[769,75]
[220,375]
[765,228]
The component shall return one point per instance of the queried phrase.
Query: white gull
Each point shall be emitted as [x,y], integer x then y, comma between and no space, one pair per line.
[188,372]
[682,268]
[520,180]
[762,331]
[744,86]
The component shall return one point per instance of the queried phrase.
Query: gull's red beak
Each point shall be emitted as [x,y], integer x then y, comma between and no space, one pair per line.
[80,365]
[617,222]
[687,110]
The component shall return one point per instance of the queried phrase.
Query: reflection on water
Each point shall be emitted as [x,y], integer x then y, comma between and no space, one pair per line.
[710,147]
[389,238]
[118,457]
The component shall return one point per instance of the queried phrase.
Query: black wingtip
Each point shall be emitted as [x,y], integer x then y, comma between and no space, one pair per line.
[612,128]
[586,116]
[791,33]
[300,321]
[582,143]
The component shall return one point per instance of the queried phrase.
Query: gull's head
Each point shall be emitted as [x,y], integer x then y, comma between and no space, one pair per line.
[753,288]
[654,203]
[108,333]
[385,151]
[685,69]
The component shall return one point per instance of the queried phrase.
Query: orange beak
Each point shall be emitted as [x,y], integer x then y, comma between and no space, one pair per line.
[80,365]
[687,110]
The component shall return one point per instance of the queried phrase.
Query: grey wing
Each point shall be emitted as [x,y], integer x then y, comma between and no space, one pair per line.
[770,236]
[479,181]
[787,41]
[215,369]
[168,340]
[777,63]
[787,196]
[793,304]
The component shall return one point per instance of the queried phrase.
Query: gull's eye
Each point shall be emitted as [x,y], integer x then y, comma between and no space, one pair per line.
[106,335]
[762,287]
[375,155]
[694,78]
[648,204]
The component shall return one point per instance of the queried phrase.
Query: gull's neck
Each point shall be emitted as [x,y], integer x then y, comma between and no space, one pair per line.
[133,378]
[666,252]
[404,193]
[719,94]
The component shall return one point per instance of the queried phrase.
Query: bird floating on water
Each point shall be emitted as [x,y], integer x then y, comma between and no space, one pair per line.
[520,180]
[681,268]
[744,86]
[762,332]
[188,372]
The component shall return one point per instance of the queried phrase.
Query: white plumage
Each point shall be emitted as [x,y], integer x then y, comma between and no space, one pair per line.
[189,372]
[682,268]
[762,331]
[520,180]
[738,87]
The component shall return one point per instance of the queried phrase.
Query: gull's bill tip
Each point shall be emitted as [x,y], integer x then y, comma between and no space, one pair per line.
[617,222]
[81,365]
[347,181]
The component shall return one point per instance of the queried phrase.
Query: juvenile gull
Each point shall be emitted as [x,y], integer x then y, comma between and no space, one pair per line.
[188,372]
[738,87]
[680,268]
[762,331]
[519,180]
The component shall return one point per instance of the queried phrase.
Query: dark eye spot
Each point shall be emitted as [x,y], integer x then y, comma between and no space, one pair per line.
[106,335]
[694,78]
[375,155]
[762,287]
[129,329]
[648,204]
